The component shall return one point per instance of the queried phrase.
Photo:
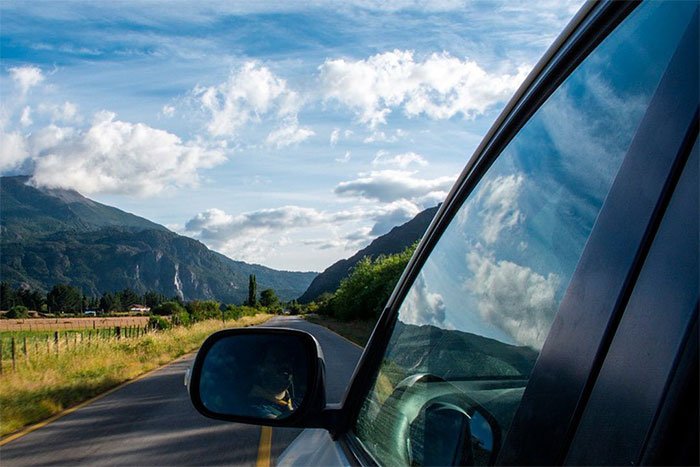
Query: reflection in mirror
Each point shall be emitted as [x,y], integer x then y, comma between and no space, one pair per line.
[255,375]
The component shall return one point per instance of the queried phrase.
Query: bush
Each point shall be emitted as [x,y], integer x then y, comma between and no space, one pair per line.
[167,309]
[204,309]
[17,312]
[364,293]
[159,323]
[181,318]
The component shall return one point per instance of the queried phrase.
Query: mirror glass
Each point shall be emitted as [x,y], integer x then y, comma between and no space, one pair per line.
[255,375]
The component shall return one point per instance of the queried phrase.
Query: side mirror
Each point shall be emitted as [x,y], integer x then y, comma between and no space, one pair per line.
[262,376]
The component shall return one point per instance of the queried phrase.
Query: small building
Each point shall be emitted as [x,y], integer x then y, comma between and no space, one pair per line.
[138,308]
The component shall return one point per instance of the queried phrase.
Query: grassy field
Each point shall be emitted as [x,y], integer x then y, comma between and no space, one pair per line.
[355,331]
[45,386]
[53,324]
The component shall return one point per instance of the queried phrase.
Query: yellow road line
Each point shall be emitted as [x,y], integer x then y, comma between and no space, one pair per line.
[53,418]
[264,447]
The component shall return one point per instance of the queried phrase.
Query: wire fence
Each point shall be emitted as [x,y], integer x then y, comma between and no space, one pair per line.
[24,347]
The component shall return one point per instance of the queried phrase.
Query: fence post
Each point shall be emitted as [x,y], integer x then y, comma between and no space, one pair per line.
[55,341]
[65,338]
[24,349]
[0,356]
[118,332]
[14,356]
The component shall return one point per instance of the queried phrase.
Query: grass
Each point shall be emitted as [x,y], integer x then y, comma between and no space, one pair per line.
[355,331]
[46,386]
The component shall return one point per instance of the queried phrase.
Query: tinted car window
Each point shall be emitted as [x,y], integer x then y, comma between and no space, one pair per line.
[476,317]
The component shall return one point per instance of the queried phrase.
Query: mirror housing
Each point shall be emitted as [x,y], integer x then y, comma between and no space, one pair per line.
[260,376]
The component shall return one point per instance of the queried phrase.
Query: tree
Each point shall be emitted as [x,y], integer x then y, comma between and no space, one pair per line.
[110,302]
[252,291]
[167,309]
[204,309]
[364,293]
[269,299]
[153,299]
[8,297]
[128,297]
[17,312]
[64,298]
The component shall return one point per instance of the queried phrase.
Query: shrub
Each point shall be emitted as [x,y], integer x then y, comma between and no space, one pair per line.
[181,318]
[159,323]
[17,312]
[364,293]
[167,309]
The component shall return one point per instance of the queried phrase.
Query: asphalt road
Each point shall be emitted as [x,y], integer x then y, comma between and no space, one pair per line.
[152,422]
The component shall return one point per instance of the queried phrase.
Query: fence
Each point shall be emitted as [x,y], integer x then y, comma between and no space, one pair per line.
[51,324]
[22,349]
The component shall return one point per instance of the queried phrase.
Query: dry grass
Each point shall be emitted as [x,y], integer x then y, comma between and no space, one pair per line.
[55,324]
[49,385]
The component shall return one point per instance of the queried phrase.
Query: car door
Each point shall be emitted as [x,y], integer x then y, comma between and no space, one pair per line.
[497,335]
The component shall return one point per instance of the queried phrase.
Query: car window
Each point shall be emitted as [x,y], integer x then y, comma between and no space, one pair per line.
[477,315]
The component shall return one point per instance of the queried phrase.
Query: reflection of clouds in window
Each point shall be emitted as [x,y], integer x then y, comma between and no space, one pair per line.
[499,209]
[591,124]
[495,205]
[422,307]
[514,298]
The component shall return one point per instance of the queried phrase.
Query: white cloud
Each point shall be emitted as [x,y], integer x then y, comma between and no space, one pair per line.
[346,157]
[514,298]
[13,150]
[26,77]
[249,94]
[422,307]
[26,118]
[288,134]
[382,137]
[439,87]
[114,156]
[401,161]
[392,185]
[64,113]
[168,111]
[335,135]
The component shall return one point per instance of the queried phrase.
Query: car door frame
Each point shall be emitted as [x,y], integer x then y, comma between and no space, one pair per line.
[556,395]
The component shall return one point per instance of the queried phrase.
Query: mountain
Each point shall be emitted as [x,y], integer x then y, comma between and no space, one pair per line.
[393,242]
[51,236]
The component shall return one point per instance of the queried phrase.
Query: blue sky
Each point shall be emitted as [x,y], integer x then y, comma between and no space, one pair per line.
[286,135]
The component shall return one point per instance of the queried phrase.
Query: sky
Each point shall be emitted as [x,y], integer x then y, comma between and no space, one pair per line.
[286,134]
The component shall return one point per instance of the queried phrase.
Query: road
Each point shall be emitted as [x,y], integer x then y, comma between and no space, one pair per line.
[152,422]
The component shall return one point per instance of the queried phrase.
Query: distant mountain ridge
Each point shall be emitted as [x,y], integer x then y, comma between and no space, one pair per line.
[393,242]
[51,236]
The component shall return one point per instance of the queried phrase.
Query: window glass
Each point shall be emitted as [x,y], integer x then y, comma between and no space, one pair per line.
[475,319]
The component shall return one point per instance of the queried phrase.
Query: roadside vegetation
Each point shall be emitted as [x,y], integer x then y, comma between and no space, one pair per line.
[353,309]
[50,383]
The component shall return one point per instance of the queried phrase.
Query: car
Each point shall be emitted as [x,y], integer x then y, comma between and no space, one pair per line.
[549,314]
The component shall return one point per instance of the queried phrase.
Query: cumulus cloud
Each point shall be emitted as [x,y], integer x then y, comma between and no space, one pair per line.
[168,111]
[114,156]
[288,134]
[241,236]
[26,77]
[514,298]
[440,87]
[392,185]
[249,94]
[421,306]
[402,161]
[63,113]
